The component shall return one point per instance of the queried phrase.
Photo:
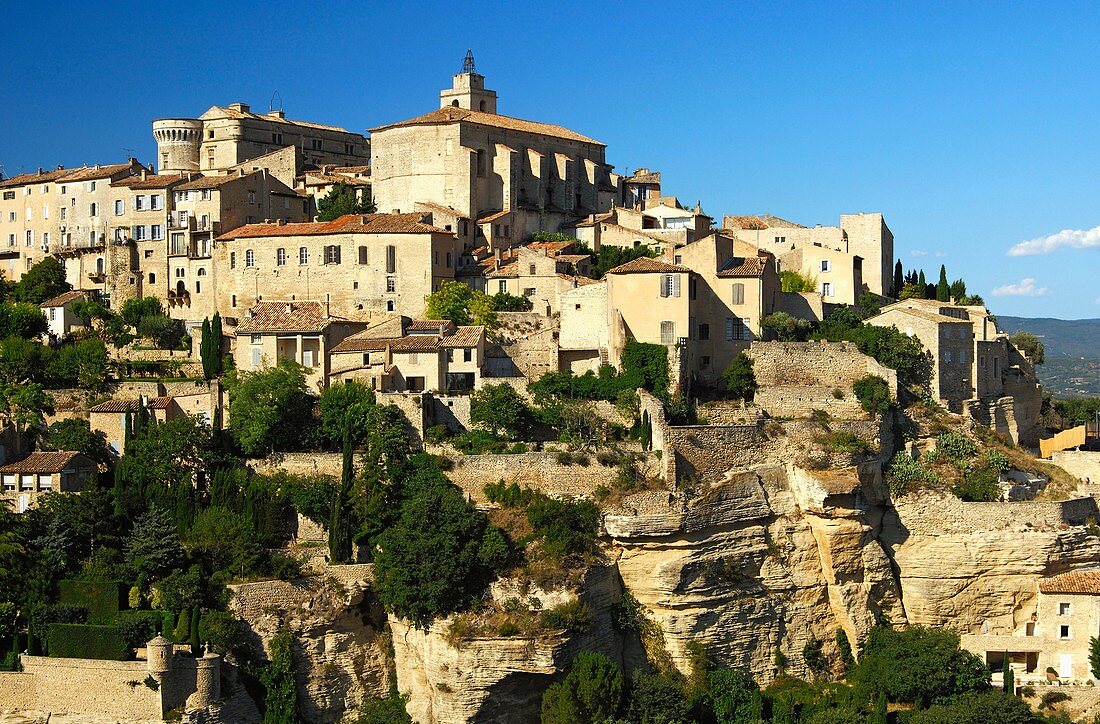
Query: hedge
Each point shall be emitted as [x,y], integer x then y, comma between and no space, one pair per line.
[81,641]
[137,628]
[101,599]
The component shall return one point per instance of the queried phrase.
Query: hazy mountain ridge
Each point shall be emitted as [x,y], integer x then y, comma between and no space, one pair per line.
[1072,352]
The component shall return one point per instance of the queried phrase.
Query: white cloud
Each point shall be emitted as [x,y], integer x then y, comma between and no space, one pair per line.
[940,253]
[1072,238]
[1026,288]
[918,252]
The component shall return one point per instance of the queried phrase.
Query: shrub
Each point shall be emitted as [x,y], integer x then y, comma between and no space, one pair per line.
[955,446]
[222,630]
[83,641]
[845,647]
[873,393]
[813,655]
[1050,698]
[436,434]
[592,691]
[388,710]
[564,458]
[996,460]
[739,378]
[138,627]
[507,628]
[100,599]
[566,527]
[501,410]
[845,441]
[509,496]
[980,486]
[571,616]
[904,473]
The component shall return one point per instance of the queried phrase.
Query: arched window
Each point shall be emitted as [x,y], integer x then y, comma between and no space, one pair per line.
[201,272]
[481,106]
[180,288]
[152,278]
[249,258]
[454,103]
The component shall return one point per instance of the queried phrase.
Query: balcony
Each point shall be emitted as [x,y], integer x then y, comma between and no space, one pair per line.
[97,276]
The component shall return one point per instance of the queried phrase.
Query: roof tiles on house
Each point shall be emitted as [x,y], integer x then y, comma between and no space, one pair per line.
[63,299]
[646,265]
[296,316]
[739,266]
[118,406]
[92,173]
[27,179]
[452,114]
[151,181]
[1087,582]
[349,224]
[42,462]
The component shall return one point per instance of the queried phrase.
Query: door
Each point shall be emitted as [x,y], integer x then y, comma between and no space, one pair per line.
[1065,665]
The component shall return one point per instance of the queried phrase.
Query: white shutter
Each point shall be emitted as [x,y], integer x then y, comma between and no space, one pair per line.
[676,285]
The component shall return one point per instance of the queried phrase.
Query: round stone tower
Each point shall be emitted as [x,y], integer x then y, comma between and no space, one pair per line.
[208,680]
[178,143]
[158,654]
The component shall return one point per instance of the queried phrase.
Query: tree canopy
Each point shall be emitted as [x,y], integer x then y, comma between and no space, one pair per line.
[270,409]
[43,281]
[342,200]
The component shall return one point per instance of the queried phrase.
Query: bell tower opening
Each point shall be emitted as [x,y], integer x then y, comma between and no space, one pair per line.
[468,90]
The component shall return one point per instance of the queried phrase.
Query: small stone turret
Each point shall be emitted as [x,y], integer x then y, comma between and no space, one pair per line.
[207,680]
[159,654]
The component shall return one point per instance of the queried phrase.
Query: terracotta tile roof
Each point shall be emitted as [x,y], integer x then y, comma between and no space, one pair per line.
[350,224]
[42,462]
[233,113]
[315,178]
[493,217]
[645,265]
[160,403]
[572,258]
[504,271]
[1087,582]
[586,221]
[552,248]
[579,281]
[440,208]
[352,169]
[63,299]
[418,343]
[922,314]
[465,336]
[453,337]
[649,177]
[151,181]
[750,223]
[430,325]
[451,114]
[90,173]
[297,316]
[740,266]
[213,182]
[33,178]
[117,406]
[359,344]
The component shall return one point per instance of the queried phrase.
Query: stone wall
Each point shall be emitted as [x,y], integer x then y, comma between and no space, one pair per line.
[537,470]
[797,377]
[299,464]
[529,339]
[1082,463]
[81,687]
[933,513]
[415,406]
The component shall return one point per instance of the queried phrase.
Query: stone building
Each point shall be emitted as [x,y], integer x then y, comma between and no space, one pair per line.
[59,313]
[299,331]
[540,271]
[317,183]
[403,355]
[661,223]
[521,176]
[41,473]
[865,235]
[223,137]
[1053,633]
[837,275]
[355,264]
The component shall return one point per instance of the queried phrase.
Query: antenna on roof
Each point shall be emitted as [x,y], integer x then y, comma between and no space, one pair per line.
[129,152]
[276,102]
[468,63]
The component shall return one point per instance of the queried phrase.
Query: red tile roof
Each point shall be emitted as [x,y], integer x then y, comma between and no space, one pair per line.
[234,113]
[160,403]
[297,316]
[349,224]
[151,181]
[645,265]
[451,114]
[42,462]
[1087,582]
[91,173]
[213,182]
[63,299]
[453,338]
[739,266]
[33,178]
[116,406]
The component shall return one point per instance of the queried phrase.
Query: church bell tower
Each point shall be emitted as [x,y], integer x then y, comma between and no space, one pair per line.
[468,90]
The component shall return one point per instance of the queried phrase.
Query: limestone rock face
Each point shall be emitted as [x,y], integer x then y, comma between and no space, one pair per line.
[757,564]
[339,653]
[962,564]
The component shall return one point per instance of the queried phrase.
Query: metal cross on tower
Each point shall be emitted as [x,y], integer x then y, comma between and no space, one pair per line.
[468,63]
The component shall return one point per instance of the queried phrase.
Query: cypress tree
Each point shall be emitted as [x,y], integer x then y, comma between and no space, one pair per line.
[1008,681]
[899,279]
[205,350]
[922,283]
[943,289]
[216,343]
[195,645]
[339,530]
[183,626]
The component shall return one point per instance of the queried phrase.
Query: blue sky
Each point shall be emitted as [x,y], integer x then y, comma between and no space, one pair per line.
[972,126]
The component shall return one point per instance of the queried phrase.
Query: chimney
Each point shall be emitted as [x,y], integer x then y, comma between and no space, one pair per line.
[277,114]
[97,167]
[39,170]
[240,107]
[143,174]
[240,173]
[289,307]
[281,222]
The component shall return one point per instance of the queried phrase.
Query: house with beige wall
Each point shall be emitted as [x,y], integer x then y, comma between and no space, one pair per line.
[648,300]
[42,473]
[60,318]
[837,276]
[539,271]
[303,332]
[662,223]
[358,265]
[526,175]
[403,355]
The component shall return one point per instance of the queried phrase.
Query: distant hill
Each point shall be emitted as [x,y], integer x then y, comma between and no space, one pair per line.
[1072,352]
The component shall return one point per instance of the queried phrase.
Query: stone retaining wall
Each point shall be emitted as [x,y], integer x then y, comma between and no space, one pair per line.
[81,687]
[537,470]
[936,513]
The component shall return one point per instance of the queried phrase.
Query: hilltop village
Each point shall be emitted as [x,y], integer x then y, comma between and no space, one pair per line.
[456,423]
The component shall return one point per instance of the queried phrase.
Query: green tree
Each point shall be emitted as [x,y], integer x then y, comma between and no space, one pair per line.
[461,304]
[919,666]
[207,355]
[43,281]
[591,693]
[342,200]
[347,408]
[501,410]
[1008,681]
[428,562]
[21,319]
[24,360]
[943,288]
[980,708]
[83,364]
[873,394]
[153,549]
[922,284]
[1094,657]
[26,405]
[739,378]
[793,281]
[899,280]
[340,531]
[657,699]
[1030,345]
[76,434]
[223,631]
[734,697]
[134,310]
[270,409]
[786,328]
[278,678]
[224,541]
[161,330]
[384,710]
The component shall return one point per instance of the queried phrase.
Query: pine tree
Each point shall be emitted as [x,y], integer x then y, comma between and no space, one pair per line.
[899,279]
[943,288]
[153,548]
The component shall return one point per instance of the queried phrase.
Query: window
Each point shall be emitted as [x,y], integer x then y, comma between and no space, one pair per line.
[11,239]
[670,285]
[450,355]
[63,213]
[825,265]
[251,197]
[91,186]
[201,272]
[156,231]
[12,216]
[704,332]
[529,292]
[947,356]
[389,306]
[120,207]
[45,212]
[45,239]
[280,257]
[250,219]
[317,144]
[981,361]
[826,289]
[276,138]
[198,287]
[210,158]
[30,238]
[9,195]
[93,209]
[738,293]
[232,260]
[257,355]
[148,253]
[332,254]
[668,332]
[139,203]
[154,202]
[507,231]
[391,286]
[27,213]
[303,255]
[737,329]
[1063,632]
[391,259]
[448,260]
[249,258]
[780,240]
[1063,609]
[502,286]
[233,300]
[205,194]
[962,356]
[362,255]
[152,278]
[704,362]
[467,355]
[180,272]
[531,269]
[139,233]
